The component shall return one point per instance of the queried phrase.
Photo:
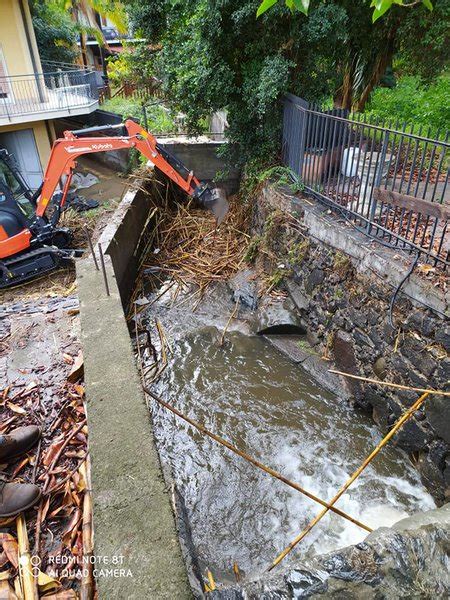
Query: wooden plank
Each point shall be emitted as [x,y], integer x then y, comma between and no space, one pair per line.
[418,205]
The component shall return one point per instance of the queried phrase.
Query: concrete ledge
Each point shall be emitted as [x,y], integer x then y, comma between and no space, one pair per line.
[391,265]
[133,517]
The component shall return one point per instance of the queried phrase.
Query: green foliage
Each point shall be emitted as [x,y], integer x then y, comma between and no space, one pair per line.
[114,10]
[298,251]
[281,175]
[159,118]
[425,41]
[342,264]
[56,34]
[252,249]
[134,63]
[380,7]
[415,102]
[276,279]
[215,54]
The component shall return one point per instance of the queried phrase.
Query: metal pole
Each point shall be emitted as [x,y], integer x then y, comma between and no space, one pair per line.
[348,483]
[91,247]
[102,261]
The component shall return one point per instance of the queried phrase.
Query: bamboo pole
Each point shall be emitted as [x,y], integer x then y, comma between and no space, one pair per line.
[406,415]
[389,383]
[233,314]
[27,579]
[87,582]
[254,461]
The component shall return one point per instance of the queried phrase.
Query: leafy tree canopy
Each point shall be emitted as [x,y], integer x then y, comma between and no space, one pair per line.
[216,54]
[380,7]
[56,34]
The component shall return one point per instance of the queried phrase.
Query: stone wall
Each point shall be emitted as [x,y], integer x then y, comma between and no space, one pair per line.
[341,284]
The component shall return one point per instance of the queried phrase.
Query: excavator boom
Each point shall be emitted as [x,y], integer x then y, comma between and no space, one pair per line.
[77,143]
[30,247]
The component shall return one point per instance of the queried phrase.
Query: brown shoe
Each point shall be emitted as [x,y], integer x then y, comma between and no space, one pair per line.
[17,497]
[18,442]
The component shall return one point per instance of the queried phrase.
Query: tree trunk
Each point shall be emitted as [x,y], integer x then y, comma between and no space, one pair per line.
[344,95]
[382,61]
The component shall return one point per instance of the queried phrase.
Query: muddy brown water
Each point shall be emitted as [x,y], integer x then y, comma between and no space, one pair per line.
[262,402]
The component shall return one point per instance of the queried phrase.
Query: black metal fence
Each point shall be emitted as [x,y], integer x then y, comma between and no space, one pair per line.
[386,179]
[58,90]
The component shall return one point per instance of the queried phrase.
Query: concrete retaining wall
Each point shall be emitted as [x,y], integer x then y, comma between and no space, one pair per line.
[201,156]
[133,520]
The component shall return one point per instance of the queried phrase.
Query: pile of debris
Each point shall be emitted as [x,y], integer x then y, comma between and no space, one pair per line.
[189,249]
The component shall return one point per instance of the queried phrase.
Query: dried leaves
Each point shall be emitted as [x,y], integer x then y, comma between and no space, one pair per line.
[59,523]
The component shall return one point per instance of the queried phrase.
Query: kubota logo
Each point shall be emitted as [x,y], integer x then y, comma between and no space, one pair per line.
[92,147]
[72,149]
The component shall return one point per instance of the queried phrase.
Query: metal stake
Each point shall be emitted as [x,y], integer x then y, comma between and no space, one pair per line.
[102,261]
[91,247]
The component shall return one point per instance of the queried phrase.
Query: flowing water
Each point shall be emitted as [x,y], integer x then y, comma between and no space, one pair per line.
[268,406]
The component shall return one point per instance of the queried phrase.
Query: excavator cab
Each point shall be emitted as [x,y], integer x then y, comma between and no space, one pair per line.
[11,178]
[27,256]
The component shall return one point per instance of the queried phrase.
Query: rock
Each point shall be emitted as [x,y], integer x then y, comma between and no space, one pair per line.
[417,380]
[376,338]
[399,365]
[380,367]
[313,338]
[431,466]
[385,409]
[362,339]
[412,437]
[244,288]
[415,351]
[277,318]
[418,320]
[358,317]
[396,562]
[443,337]
[372,317]
[314,279]
[298,297]
[345,360]
[442,373]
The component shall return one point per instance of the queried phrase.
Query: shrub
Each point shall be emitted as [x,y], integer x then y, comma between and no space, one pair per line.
[412,101]
[159,118]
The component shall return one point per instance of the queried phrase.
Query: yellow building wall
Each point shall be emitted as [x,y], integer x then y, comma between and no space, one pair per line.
[13,38]
[14,45]
[41,137]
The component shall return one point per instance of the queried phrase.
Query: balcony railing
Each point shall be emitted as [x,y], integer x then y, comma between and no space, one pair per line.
[64,89]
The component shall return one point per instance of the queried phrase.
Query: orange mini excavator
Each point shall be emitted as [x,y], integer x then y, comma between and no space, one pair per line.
[31,243]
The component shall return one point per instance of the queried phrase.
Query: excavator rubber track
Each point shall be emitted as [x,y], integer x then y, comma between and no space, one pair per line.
[29,265]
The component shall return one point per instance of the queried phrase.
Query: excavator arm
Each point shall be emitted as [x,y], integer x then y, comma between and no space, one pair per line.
[66,150]
[30,247]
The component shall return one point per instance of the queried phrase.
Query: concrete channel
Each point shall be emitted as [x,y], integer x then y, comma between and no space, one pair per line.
[135,528]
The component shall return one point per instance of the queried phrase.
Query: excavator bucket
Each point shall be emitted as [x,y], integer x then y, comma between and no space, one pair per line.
[219,204]
[214,199]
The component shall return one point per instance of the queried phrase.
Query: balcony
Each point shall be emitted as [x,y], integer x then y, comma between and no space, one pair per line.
[57,92]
